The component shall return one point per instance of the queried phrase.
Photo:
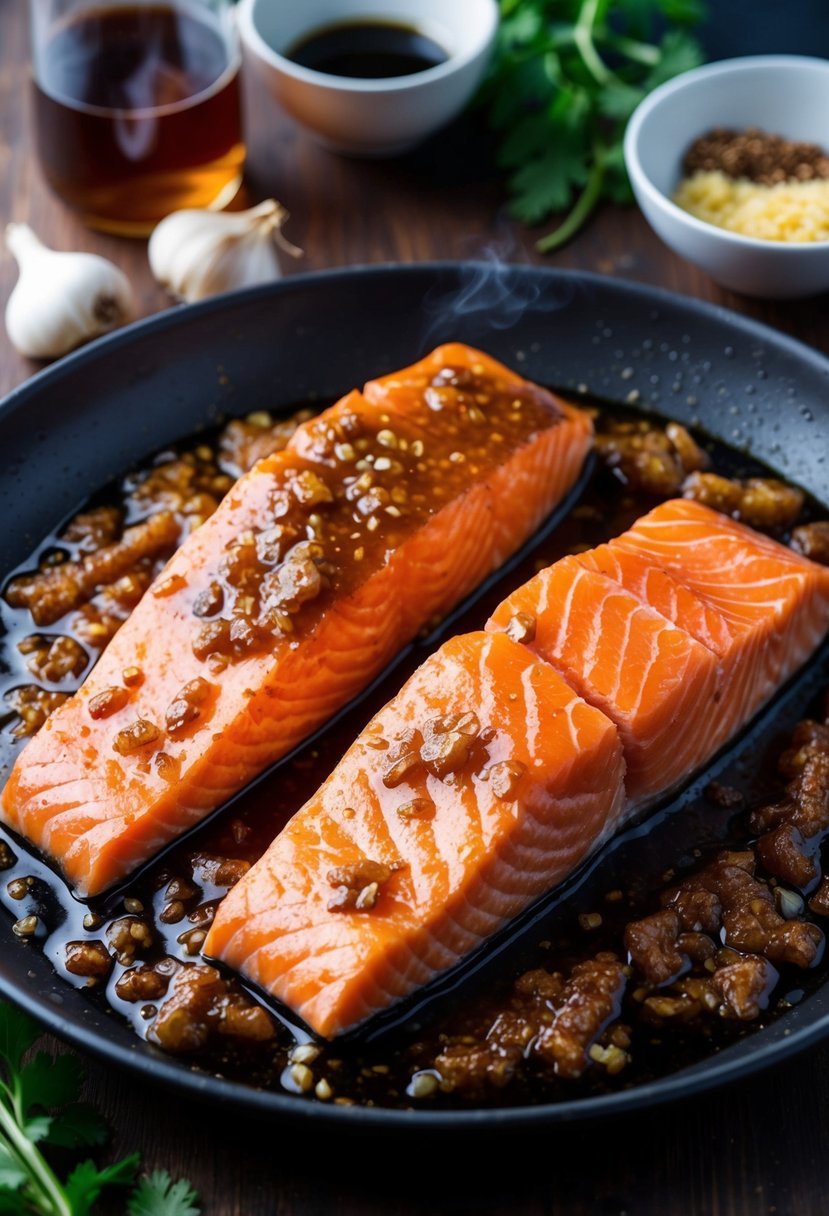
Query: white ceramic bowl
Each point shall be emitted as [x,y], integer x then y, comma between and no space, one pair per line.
[783,94]
[369,117]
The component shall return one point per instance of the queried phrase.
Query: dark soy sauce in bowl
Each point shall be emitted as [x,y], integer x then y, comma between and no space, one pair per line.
[368,50]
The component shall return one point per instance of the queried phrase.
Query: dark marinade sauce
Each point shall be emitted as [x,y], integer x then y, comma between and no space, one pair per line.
[368,50]
[154,924]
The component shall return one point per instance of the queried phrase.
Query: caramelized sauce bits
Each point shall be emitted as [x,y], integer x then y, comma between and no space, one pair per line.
[362,481]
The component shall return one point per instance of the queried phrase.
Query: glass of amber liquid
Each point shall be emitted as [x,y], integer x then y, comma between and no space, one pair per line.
[137,107]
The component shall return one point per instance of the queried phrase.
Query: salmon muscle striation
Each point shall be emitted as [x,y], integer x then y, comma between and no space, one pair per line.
[318,566]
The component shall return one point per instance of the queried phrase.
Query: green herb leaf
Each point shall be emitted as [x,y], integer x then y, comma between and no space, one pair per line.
[49,1080]
[13,1200]
[679,52]
[85,1183]
[684,12]
[38,1106]
[12,1176]
[79,1126]
[37,1129]
[521,89]
[522,26]
[619,100]
[566,77]
[159,1195]
[546,183]
[17,1034]
[616,184]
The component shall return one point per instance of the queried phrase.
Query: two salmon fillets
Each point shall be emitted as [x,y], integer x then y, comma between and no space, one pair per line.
[507,758]
[512,754]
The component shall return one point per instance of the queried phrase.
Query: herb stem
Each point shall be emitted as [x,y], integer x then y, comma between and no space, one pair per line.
[582,208]
[43,1181]
[639,52]
[553,45]
[583,38]
[565,77]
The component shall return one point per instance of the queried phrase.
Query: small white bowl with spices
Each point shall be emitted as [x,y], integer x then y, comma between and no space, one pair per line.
[783,95]
[320,61]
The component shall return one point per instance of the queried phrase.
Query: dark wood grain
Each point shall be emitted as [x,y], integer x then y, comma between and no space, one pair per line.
[758,1148]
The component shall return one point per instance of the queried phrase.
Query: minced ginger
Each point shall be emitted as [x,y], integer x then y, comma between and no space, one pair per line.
[787,211]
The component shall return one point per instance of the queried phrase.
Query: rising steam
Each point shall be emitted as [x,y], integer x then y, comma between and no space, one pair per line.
[492,295]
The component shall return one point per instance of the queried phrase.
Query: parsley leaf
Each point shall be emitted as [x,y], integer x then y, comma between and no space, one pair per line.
[684,12]
[12,1175]
[79,1126]
[17,1034]
[57,1076]
[523,89]
[529,137]
[37,1129]
[679,52]
[14,1201]
[566,77]
[522,25]
[619,100]
[545,183]
[85,1183]
[616,184]
[158,1195]
[39,1106]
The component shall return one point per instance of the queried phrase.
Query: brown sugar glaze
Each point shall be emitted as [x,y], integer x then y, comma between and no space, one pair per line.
[605,984]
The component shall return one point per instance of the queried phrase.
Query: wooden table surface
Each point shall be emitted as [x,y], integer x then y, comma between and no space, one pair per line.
[757,1148]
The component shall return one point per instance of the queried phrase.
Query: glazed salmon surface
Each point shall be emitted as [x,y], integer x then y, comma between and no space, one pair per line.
[680,630]
[379,516]
[483,783]
[395,870]
[775,602]
[737,694]
[650,677]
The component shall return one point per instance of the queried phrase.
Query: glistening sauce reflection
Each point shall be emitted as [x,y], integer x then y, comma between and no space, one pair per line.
[155,925]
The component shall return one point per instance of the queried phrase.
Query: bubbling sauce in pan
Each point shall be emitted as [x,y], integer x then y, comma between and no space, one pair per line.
[682,936]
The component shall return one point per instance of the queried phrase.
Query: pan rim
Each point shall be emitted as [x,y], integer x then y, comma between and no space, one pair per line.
[149,1064]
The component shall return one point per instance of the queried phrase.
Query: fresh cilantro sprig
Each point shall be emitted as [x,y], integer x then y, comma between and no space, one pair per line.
[158,1195]
[565,79]
[39,1109]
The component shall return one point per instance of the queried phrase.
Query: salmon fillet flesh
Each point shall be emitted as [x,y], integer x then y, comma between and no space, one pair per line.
[480,785]
[510,756]
[318,566]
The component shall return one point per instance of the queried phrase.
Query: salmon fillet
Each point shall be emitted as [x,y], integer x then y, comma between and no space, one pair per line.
[757,609]
[737,692]
[775,602]
[396,869]
[325,559]
[649,676]
[483,783]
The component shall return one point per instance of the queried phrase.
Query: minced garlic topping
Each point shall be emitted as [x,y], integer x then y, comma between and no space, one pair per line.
[787,211]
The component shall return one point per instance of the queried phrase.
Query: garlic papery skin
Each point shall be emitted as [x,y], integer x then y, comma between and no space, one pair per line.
[61,299]
[195,254]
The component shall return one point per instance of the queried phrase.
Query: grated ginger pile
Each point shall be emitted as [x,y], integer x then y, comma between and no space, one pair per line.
[787,211]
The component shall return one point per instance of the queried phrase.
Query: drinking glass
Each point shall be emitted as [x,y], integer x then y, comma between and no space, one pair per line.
[137,106]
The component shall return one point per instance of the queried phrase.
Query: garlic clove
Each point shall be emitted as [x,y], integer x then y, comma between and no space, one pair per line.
[61,299]
[196,254]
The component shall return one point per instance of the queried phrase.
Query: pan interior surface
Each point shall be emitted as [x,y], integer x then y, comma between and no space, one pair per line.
[77,425]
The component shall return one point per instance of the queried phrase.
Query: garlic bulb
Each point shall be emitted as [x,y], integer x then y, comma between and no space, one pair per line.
[61,299]
[200,253]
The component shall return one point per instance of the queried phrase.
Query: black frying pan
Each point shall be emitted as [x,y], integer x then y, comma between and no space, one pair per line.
[73,427]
